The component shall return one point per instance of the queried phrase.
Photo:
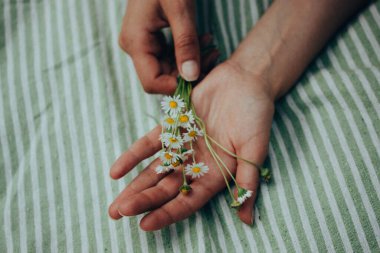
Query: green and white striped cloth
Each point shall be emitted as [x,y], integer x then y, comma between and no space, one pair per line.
[70,103]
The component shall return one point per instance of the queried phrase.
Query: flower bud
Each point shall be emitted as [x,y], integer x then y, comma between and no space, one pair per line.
[185,189]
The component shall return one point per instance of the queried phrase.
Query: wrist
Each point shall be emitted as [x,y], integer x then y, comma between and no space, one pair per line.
[256,78]
[262,56]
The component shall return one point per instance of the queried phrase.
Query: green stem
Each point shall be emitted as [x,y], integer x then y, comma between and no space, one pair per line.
[220,168]
[184,176]
[225,167]
[174,129]
[217,156]
[213,153]
[162,131]
[232,154]
[192,153]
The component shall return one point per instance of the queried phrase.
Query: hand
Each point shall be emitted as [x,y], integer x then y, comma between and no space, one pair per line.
[236,102]
[142,39]
[237,111]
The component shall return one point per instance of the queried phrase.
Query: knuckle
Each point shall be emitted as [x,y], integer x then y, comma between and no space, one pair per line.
[132,187]
[185,41]
[164,190]
[186,205]
[136,205]
[182,7]
[168,214]
[209,192]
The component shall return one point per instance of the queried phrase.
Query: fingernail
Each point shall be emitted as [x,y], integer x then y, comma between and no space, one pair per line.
[118,210]
[190,70]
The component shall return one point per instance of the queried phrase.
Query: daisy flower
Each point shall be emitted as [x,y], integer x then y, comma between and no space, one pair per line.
[162,169]
[192,133]
[196,170]
[168,122]
[172,105]
[186,119]
[171,140]
[243,195]
[168,157]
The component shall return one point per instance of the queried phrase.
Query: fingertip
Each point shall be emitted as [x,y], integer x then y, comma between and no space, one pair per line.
[246,214]
[112,175]
[115,174]
[113,212]
[171,85]
[166,84]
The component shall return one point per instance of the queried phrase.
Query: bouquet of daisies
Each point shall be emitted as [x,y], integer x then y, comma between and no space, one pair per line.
[180,126]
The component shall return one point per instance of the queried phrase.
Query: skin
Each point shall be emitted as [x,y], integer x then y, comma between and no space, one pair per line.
[142,39]
[262,69]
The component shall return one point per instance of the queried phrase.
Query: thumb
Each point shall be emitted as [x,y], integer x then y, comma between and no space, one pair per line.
[181,17]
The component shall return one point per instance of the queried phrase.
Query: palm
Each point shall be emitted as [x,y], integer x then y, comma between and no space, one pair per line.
[238,116]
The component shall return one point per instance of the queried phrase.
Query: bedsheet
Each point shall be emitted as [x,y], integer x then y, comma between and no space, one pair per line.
[70,103]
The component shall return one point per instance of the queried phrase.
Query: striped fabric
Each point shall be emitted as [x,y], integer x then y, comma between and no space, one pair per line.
[70,103]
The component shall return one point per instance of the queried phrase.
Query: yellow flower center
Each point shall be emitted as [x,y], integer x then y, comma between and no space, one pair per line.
[183,118]
[196,169]
[170,121]
[176,163]
[173,140]
[192,133]
[168,156]
[173,104]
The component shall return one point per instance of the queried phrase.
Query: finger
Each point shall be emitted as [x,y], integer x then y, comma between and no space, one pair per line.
[146,179]
[141,38]
[181,17]
[154,75]
[248,177]
[143,148]
[182,206]
[153,197]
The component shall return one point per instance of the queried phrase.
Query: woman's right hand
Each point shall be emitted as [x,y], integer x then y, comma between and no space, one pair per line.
[156,63]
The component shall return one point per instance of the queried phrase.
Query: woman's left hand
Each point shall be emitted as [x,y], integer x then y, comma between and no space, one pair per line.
[237,110]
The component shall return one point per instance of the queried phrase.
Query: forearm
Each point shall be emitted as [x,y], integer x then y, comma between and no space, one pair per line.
[288,36]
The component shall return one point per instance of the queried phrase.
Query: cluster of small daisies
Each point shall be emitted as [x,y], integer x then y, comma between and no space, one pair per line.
[180,129]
